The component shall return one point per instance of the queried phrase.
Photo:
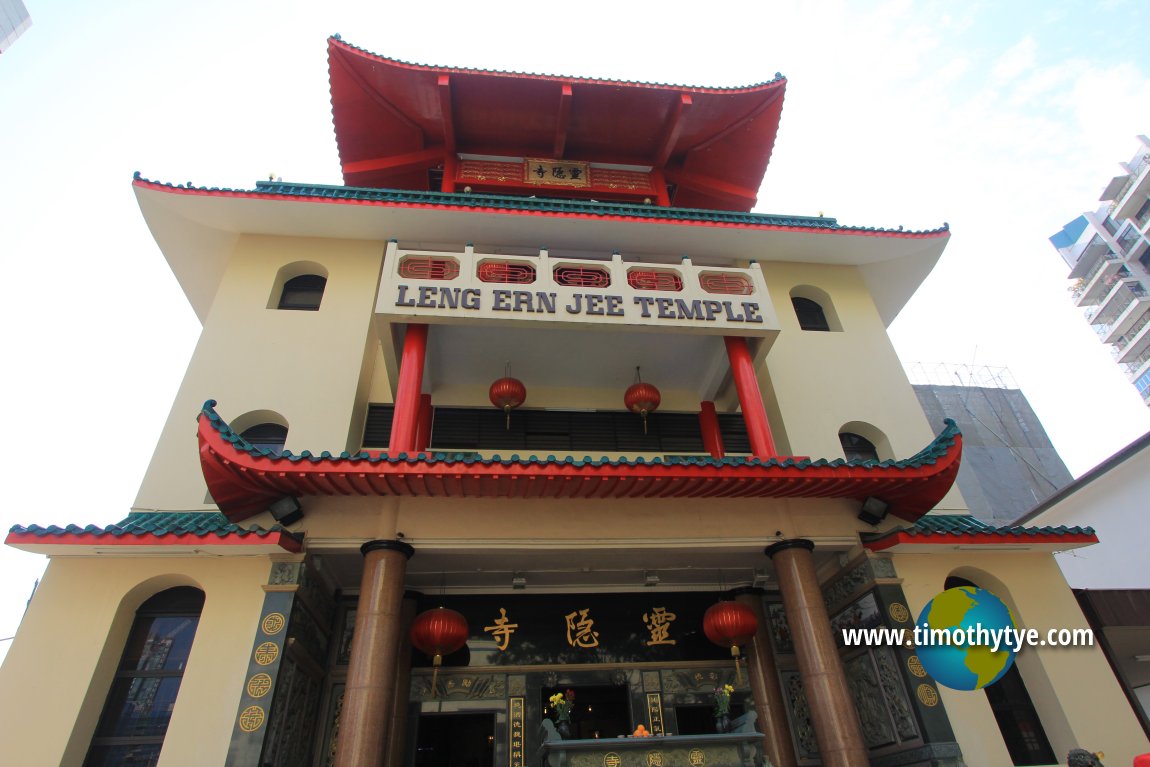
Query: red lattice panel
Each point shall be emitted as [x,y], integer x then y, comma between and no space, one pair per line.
[641,279]
[506,272]
[582,277]
[730,284]
[427,268]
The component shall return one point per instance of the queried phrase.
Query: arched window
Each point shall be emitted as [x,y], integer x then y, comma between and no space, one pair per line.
[266,436]
[303,293]
[139,706]
[857,447]
[810,314]
[814,309]
[1013,709]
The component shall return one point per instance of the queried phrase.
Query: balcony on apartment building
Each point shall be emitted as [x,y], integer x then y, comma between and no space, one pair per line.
[1128,193]
[1124,303]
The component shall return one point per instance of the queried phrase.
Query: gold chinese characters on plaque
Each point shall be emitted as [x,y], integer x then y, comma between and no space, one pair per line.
[581,629]
[515,724]
[556,172]
[502,630]
[658,623]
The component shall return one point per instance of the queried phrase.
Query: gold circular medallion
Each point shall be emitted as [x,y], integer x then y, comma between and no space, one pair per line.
[266,653]
[259,685]
[899,612]
[273,623]
[697,758]
[611,759]
[654,759]
[915,666]
[251,718]
[928,695]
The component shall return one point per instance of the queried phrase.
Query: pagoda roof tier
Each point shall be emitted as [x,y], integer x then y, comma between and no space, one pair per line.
[243,480]
[936,532]
[147,532]
[196,228]
[395,121]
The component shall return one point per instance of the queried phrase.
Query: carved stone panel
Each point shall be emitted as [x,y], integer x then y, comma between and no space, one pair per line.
[460,687]
[868,699]
[895,693]
[801,726]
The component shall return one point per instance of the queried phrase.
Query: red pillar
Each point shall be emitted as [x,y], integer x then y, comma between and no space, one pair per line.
[423,425]
[750,397]
[709,426]
[406,416]
[450,168]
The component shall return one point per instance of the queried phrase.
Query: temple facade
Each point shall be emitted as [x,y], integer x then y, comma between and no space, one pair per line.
[528,438]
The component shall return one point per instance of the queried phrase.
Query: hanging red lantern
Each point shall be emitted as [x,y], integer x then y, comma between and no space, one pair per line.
[642,398]
[507,393]
[437,633]
[730,624]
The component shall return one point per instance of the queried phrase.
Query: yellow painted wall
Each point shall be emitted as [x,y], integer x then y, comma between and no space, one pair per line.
[311,367]
[60,666]
[823,380]
[1073,689]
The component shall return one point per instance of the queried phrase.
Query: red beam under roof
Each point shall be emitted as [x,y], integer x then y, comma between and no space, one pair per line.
[383,108]
[243,481]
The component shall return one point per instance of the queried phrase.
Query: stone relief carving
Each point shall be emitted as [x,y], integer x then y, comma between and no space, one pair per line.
[476,687]
[691,680]
[848,583]
[286,573]
[780,630]
[895,693]
[802,728]
[868,697]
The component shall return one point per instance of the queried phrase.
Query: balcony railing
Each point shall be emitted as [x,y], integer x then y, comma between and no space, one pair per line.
[1117,302]
[1126,338]
[1133,366]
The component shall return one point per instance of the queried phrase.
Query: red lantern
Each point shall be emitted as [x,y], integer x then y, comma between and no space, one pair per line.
[507,393]
[642,398]
[730,624]
[437,633]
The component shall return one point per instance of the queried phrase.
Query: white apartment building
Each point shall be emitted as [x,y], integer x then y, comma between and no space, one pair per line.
[1108,252]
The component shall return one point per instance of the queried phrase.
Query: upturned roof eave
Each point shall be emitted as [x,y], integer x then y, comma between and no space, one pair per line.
[197,228]
[244,481]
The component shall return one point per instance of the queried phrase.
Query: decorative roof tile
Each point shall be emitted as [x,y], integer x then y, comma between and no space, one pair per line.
[158,528]
[956,528]
[543,205]
[243,479]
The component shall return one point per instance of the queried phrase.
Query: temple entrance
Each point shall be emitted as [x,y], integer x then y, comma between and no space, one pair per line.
[456,740]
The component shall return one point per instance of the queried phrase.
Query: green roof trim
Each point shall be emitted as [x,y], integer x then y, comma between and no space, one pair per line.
[543,205]
[962,525]
[157,523]
[936,450]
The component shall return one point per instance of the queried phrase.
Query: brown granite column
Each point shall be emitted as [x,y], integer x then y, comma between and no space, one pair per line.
[833,713]
[397,730]
[370,691]
[770,709]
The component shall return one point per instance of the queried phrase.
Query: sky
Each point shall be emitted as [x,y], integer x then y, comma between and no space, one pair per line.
[1004,120]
